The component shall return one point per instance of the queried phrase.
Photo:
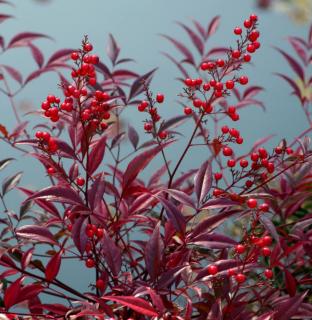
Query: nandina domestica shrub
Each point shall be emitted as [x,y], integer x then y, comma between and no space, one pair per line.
[159,247]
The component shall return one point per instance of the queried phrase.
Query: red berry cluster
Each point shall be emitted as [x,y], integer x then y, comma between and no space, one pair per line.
[46,143]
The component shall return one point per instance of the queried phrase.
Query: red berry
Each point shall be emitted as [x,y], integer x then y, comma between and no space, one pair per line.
[239,140]
[247,57]
[238,30]
[234,133]
[141,108]
[267,240]
[240,278]
[99,233]
[39,134]
[270,167]
[264,207]
[253,17]
[248,183]
[188,82]
[51,171]
[225,129]
[80,181]
[198,81]
[268,274]
[230,84]
[240,248]
[231,163]
[231,272]
[262,153]
[289,151]
[206,87]
[243,80]
[162,135]
[74,56]
[243,163]
[278,150]
[160,98]
[218,94]
[204,66]
[218,176]
[227,151]
[247,24]
[100,284]
[90,263]
[219,86]
[254,156]
[212,269]
[220,63]
[197,103]
[251,48]
[148,126]
[236,54]
[231,110]
[252,203]
[88,47]
[266,251]
[92,81]
[89,233]
[188,111]
[217,192]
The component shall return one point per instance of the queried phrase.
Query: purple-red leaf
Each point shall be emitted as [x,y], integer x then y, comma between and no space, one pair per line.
[203,181]
[36,233]
[96,155]
[24,38]
[57,194]
[133,136]
[60,56]
[14,73]
[288,308]
[112,49]
[4,17]
[53,266]
[137,304]
[213,26]
[79,234]
[12,292]
[37,55]
[153,253]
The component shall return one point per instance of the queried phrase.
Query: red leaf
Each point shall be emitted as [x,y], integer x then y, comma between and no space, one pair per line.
[299,46]
[137,304]
[23,39]
[194,37]
[174,215]
[29,291]
[18,130]
[138,87]
[203,181]
[53,266]
[133,137]
[15,74]
[293,84]
[124,74]
[60,56]
[12,292]
[138,164]
[55,308]
[57,194]
[182,48]
[213,26]
[178,64]
[37,54]
[251,92]
[112,254]
[96,155]
[181,196]
[293,63]
[112,49]
[49,207]
[290,282]
[174,122]
[26,258]
[288,308]
[153,253]
[4,17]
[36,233]
[79,234]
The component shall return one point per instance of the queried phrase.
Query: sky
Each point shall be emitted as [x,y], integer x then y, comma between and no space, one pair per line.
[136,24]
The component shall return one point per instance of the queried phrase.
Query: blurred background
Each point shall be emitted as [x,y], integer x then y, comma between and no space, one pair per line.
[136,25]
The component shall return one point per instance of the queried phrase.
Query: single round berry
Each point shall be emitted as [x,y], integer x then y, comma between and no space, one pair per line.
[88,47]
[206,86]
[89,233]
[251,48]
[243,80]
[266,252]
[74,56]
[243,163]
[217,192]
[204,66]
[212,269]
[230,84]
[99,233]
[268,274]
[188,82]
[160,98]
[236,54]
[252,203]
[278,150]
[225,129]
[240,248]
[188,111]
[240,278]
[227,151]
[289,151]
[100,284]
[253,17]
[218,176]
[80,181]
[239,140]
[51,171]
[264,207]
[220,63]
[247,24]
[148,126]
[231,272]
[231,109]
[267,240]
[247,57]
[254,156]
[163,135]
[238,31]
[231,163]
[197,103]
[90,263]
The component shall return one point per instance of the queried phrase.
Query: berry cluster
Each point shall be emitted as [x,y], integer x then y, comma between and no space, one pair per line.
[46,142]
